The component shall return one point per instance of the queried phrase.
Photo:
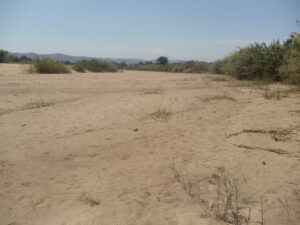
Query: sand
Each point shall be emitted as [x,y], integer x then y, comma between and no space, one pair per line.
[137,147]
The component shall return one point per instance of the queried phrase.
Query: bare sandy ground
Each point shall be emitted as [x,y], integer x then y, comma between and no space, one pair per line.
[145,148]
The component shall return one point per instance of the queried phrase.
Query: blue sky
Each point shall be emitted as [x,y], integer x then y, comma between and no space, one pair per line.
[180,29]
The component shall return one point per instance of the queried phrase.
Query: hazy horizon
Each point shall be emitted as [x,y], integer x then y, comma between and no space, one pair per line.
[183,30]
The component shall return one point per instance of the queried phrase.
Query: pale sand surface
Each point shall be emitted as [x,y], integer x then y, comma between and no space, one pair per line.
[78,160]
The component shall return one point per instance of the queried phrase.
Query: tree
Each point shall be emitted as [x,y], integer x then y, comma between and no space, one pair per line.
[3,56]
[162,60]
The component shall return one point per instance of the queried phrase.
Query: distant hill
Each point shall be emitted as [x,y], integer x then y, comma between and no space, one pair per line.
[70,58]
[63,57]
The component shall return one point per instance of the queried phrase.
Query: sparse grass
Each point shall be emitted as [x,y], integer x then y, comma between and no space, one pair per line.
[156,91]
[189,79]
[279,138]
[218,78]
[240,83]
[37,104]
[269,94]
[285,205]
[230,205]
[296,193]
[218,97]
[161,114]
[84,198]
[233,204]
[191,187]
[262,202]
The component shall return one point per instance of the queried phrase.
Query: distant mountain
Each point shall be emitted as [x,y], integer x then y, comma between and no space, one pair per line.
[62,57]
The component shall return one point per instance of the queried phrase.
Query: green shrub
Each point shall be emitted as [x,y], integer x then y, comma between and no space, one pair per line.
[3,56]
[185,67]
[274,62]
[147,67]
[94,66]
[79,66]
[48,66]
[290,70]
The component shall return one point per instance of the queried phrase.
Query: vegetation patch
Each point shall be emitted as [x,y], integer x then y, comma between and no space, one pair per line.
[164,66]
[232,204]
[48,66]
[259,61]
[161,114]
[37,104]
[217,97]
[156,91]
[216,78]
[94,66]
[269,94]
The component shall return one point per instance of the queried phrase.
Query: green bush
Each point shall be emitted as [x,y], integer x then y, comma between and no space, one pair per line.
[185,67]
[147,67]
[94,66]
[291,68]
[3,56]
[274,62]
[48,66]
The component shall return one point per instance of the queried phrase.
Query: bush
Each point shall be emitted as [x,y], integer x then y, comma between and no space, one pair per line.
[94,66]
[274,62]
[186,67]
[48,66]
[3,56]
[291,68]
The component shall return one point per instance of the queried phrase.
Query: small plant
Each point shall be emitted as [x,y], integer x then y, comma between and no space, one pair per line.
[262,210]
[48,66]
[229,206]
[285,205]
[177,176]
[191,187]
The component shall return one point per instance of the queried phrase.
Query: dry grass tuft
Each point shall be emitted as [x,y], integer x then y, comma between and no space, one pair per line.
[190,186]
[218,97]
[37,104]
[218,78]
[156,91]
[232,205]
[88,200]
[269,94]
[161,114]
